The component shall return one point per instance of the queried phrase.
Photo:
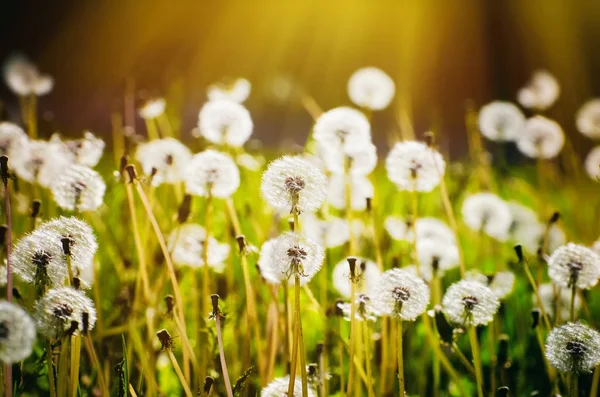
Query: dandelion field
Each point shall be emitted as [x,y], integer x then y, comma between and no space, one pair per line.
[157,264]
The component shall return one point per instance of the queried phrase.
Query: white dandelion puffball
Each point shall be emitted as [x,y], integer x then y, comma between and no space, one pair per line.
[412,165]
[279,387]
[42,85]
[574,265]
[502,284]
[187,244]
[501,121]
[166,159]
[82,244]
[237,91]
[522,217]
[17,333]
[292,184]
[296,255]
[212,173]
[342,128]
[364,309]
[13,140]
[592,164]
[59,308]
[361,160]
[436,255]
[20,75]
[587,118]
[40,161]
[427,228]
[488,213]
[332,232]
[549,300]
[250,162]
[87,150]
[596,247]
[532,237]
[541,137]
[400,294]
[266,263]
[225,123]
[540,92]
[153,108]
[78,188]
[361,188]
[371,88]
[367,270]
[470,303]
[573,348]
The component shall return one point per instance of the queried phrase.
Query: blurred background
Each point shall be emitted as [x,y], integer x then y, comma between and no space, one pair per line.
[440,54]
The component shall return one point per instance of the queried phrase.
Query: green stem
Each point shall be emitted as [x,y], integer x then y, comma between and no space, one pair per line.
[400,361]
[476,359]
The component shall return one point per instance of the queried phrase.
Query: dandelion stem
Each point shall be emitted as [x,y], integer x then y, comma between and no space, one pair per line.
[75,360]
[296,336]
[536,291]
[143,268]
[32,117]
[184,384]
[464,360]
[9,274]
[63,367]
[572,308]
[222,356]
[50,363]
[89,346]
[152,130]
[352,337]
[549,370]
[476,359]
[595,382]
[400,360]
[367,338]
[573,385]
[205,277]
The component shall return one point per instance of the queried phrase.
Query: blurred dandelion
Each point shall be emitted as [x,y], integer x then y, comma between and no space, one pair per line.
[86,151]
[64,310]
[78,188]
[13,140]
[225,122]
[359,161]
[17,333]
[165,159]
[413,166]
[573,348]
[501,121]
[470,303]
[237,91]
[361,189]
[343,128]
[40,161]
[436,257]
[488,213]
[541,137]
[153,108]
[279,387]
[587,118]
[187,247]
[291,184]
[553,297]
[364,308]
[400,294]
[427,228]
[368,277]
[212,173]
[592,164]
[540,92]
[23,78]
[371,88]
[332,233]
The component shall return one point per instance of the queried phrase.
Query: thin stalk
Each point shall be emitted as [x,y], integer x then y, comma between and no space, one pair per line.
[493,358]
[295,336]
[463,359]
[152,130]
[188,347]
[341,354]
[8,386]
[400,361]
[415,207]
[573,385]
[367,338]
[139,247]
[286,328]
[595,382]
[75,360]
[222,356]
[89,346]
[32,117]
[63,368]
[164,125]
[302,352]
[274,338]
[205,279]
[475,352]
[549,370]
[184,384]
[352,337]
[537,293]
[50,363]
[572,308]
[384,355]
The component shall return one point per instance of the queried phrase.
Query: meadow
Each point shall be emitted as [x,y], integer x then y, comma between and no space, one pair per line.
[152,263]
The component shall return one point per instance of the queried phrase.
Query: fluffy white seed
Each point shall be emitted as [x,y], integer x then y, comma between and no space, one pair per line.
[237,91]
[488,213]
[153,108]
[368,277]
[400,294]
[540,92]
[361,189]
[574,265]
[60,308]
[295,255]
[17,333]
[413,166]
[371,88]
[166,159]
[225,123]
[212,173]
[592,164]
[78,188]
[187,244]
[588,118]
[343,128]
[501,121]
[573,348]
[470,303]
[541,137]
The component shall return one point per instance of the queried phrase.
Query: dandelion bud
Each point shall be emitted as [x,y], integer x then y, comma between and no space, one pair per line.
[4,169]
[165,160]
[554,218]
[76,283]
[502,355]
[65,245]
[3,230]
[212,173]
[369,204]
[279,387]
[208,383]
[573,348]
[444,328]
[225,123]
[131,172]
[470,303]
[541,138]
[292,184]
[17,333]
[78,188]
[123,163]
[501,121]
[414,166]
[35,208]
[165,339]
[291,224]
[214,298]
[170,303]
[319,350]
[241,240]
[503,391]
[60,308]
[400,294]
[535,317]
[184,209]
[574,265]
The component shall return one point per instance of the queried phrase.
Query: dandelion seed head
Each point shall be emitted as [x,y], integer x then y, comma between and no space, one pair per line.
[436,255]
[225,122]
[40,161]
[361,189]
[59,307]
[166,158]
[85,151]
[540,92]
[541,137]
[364,309]
[13,140]
[413,166]
[470,303]
[371,88]
[368,279]
[427,228]
[362,160]
[279,388]
[501,121]
[332,233]
[17,333]
[562,299]
[502,284]
[592,164]
[20,75]
[573,348]
[153,108]
[488,213]
[400,294]
[294,254]
[574,264]
[292,184]
[187,242]
[78,188]
[587,118]
[343,129]
[42,85]
[212,172]
[236,91]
